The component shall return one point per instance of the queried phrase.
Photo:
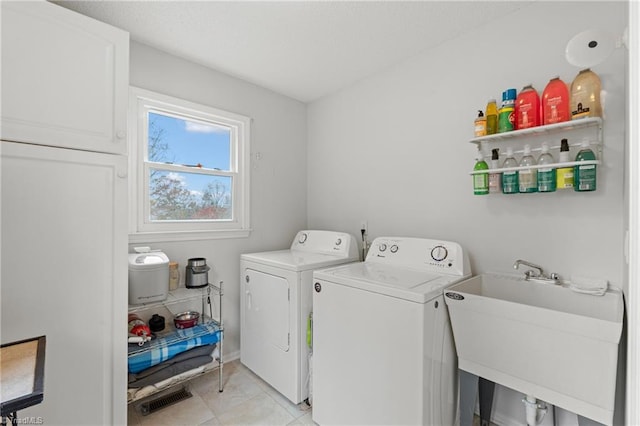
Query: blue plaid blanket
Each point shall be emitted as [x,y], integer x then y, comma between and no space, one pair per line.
[164,348]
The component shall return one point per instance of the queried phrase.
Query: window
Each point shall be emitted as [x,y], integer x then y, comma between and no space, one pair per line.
[189,170]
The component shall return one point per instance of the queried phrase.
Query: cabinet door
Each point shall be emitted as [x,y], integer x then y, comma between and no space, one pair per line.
[64,78]
[64,275]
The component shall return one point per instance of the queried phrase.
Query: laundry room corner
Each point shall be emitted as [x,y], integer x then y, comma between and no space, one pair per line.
[278,158]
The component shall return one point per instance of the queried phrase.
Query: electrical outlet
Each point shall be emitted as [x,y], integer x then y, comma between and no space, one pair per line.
[363,225]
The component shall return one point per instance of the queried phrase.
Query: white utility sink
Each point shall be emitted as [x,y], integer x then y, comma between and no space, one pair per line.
[540,339]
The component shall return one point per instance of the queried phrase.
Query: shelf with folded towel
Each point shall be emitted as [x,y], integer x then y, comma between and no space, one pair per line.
[171,344]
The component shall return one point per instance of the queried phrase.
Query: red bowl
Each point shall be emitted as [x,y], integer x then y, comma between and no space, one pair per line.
[186,319]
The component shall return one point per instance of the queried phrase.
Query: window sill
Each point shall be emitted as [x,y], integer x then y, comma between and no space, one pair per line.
[154,237]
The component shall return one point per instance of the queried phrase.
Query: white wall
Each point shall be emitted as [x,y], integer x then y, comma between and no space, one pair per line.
[278,173]
[393,149]
[633,193]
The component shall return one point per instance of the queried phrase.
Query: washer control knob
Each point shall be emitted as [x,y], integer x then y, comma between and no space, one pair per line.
[339,241]
[439,253]
[302,238]
[382,247]
[394,248]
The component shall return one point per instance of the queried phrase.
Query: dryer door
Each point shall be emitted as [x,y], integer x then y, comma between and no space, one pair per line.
[266,310]
[269,326]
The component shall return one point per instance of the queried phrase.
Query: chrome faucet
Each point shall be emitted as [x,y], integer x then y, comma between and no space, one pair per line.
[536,273]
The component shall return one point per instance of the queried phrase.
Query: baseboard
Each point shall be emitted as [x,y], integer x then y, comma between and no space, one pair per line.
[501,420]
[232,356]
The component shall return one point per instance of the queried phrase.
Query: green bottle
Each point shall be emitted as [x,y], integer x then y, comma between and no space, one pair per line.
[481,180]
[584,177]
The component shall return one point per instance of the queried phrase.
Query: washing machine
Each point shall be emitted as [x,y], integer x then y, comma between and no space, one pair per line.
[276,299]
[383,345]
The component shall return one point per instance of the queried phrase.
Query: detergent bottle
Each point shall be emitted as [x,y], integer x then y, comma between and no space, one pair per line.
[555,102]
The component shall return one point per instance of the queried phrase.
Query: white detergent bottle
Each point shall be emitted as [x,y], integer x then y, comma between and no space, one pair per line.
[528,177]
[546,175]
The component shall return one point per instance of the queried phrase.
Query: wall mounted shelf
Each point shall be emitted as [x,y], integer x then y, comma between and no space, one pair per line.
[589,124]
[537,166]
[574,131]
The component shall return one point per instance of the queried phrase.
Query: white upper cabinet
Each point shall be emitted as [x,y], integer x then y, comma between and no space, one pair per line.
[64,78]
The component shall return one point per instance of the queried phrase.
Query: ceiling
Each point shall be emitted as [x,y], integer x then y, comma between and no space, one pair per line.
[301,49]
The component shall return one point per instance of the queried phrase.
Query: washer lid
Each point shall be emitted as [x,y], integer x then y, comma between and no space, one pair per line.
[295,260]
[401,282]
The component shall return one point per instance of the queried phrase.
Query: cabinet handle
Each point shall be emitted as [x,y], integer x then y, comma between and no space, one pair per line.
[120,134]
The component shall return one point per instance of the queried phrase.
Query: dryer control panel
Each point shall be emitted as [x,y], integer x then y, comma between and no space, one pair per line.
[329,242]
[439,256]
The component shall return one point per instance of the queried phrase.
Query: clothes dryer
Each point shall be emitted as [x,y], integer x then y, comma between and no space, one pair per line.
[383,345]
[276,301]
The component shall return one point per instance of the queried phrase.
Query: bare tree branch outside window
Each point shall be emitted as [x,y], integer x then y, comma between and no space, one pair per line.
[171,199]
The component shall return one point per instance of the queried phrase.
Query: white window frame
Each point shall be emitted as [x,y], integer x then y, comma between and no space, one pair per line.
[141,229]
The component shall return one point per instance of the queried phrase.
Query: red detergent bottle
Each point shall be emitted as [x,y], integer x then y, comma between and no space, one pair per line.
[528,111]
[555,102]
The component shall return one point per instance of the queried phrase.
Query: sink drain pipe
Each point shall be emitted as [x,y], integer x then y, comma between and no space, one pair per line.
[534,410]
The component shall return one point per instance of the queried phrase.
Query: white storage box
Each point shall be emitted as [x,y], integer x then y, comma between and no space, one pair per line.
[148,277]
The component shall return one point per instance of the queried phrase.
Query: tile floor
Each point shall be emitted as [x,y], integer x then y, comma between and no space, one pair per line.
[246,400]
